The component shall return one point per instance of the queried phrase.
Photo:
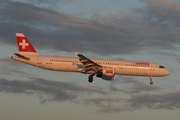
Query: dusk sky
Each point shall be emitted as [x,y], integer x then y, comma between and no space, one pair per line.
[144,30]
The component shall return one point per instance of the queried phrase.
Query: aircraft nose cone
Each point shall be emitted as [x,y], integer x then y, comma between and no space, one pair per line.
[167,72]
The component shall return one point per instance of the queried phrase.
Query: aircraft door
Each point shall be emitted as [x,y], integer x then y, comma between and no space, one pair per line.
[39,61]
[152,67]
[120,69]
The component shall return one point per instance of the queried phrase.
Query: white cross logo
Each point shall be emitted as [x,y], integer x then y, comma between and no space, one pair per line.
[23,44]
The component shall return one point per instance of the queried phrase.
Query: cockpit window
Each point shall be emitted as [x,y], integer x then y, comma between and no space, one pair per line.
[161,67]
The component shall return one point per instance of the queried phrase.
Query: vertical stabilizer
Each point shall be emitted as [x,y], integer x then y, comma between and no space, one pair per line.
[24,46]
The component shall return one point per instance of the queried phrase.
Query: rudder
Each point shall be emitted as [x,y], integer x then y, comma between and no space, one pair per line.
[24,45]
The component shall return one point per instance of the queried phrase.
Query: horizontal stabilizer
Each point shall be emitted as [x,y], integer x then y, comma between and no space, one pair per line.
[21,56]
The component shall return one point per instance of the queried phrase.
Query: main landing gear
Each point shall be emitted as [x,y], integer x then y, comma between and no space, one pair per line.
[90,78]
[151,82]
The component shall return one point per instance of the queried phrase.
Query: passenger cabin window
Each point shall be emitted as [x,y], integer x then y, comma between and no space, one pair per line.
[161,67]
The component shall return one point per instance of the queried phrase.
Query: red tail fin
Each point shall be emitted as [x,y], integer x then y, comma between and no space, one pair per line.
[24,45]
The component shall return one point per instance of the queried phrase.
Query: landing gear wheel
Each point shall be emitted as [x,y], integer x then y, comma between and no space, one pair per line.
[90,79]
[151,83]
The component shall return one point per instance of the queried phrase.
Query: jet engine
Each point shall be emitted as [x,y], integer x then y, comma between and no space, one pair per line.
[106,74]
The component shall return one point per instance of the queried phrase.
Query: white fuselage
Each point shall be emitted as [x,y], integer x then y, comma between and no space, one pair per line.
[72,64]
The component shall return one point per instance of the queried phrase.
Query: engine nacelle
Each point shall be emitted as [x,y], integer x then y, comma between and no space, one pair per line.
[106,74]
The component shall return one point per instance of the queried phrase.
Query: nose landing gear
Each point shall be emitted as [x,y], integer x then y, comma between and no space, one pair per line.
[151,82]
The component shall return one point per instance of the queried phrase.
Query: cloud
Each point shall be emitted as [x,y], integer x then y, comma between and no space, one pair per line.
[177,57]
[118,33]
[73,31]
[145,96]
[163,13]
[55,91]
[98,101]
[8,68]
[169,101]
[107,105]
[111,109]
[134,86]
[49,91]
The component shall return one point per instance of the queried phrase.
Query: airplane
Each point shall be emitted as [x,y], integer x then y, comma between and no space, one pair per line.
[102,68]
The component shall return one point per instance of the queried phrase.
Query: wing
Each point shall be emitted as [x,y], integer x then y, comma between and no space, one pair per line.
[91,66]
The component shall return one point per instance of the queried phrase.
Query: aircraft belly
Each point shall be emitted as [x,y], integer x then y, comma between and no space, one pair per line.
[67,67]
[156,73]
[133,71]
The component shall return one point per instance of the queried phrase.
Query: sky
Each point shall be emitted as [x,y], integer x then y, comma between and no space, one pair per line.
[145,30]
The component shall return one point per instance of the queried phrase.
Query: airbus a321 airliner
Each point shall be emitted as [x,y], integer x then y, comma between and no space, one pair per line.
[102,68]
